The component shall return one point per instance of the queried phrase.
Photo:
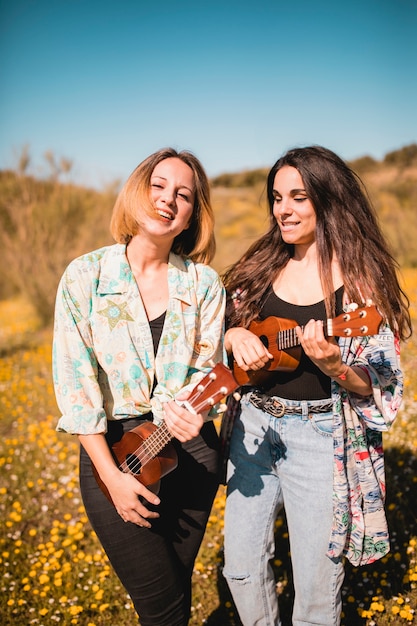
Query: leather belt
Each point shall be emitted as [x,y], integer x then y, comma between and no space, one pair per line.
[278,408]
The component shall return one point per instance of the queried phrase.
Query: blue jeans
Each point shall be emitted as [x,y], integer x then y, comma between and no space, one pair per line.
[274,463]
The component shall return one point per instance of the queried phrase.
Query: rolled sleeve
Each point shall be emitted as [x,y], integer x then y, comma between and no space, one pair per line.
[75,368]
[379,356]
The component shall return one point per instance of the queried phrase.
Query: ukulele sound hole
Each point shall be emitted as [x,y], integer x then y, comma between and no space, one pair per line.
[264,340]
[133,464]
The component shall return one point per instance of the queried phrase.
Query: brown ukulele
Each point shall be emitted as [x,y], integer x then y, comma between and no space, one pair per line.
[146,451]
[279,337]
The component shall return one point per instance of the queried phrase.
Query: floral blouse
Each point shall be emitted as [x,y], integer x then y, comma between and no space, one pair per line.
[104,366]
[360,529]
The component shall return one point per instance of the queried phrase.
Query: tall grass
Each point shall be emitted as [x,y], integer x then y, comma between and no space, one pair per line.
[53,570]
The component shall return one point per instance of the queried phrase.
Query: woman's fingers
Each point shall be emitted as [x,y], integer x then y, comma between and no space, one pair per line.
[249,352]
[130,500]
[182,423]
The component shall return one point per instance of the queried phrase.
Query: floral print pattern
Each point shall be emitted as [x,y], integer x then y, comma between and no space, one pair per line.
[104,366]
[360,530]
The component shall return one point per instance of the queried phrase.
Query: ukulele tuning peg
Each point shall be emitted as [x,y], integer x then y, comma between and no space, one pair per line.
[237,396]
[222,408]
[346,317]
[363,313]
[200,388]
[347,332]
[364,330]
[224,390]
[212,376]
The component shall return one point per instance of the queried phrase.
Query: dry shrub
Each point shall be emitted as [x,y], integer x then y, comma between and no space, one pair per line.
[43,225]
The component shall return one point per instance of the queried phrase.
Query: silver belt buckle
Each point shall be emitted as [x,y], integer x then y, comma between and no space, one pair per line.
[279,408]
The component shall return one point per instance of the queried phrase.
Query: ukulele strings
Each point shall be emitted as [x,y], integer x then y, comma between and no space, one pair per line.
[147,450]
[287,338]
[157,440]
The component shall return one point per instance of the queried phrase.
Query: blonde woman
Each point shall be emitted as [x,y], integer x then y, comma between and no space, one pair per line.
[136,324]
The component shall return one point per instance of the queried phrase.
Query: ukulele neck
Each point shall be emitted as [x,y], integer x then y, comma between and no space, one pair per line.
[288,338]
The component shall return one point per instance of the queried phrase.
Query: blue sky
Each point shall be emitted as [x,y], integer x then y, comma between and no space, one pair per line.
[105,83]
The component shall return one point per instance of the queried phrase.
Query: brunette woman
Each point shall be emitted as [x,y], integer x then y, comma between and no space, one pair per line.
[309,439]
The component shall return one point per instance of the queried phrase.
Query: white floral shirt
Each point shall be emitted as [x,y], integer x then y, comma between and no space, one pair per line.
[104,366]
[360,530]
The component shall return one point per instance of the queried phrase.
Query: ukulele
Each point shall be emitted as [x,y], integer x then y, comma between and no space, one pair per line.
[279,337]
[146,451]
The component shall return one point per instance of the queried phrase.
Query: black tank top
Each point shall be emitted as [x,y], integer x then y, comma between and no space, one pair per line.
[307,382]
[156,327]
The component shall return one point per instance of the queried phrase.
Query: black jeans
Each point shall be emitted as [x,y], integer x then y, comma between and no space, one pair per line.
[155,565]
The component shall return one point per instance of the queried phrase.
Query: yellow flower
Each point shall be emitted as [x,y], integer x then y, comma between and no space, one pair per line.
[43,578]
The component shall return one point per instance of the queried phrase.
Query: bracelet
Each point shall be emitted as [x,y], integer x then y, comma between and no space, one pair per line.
[342,376]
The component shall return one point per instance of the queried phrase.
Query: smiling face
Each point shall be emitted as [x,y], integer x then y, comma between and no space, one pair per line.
[292,209]
[172,191]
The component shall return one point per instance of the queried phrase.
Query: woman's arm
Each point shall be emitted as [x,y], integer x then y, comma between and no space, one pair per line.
[75,367]
[379,357]
[80,398]
[325,353]
[246,348]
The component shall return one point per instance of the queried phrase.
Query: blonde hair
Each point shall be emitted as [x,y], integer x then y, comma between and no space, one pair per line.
[198,241]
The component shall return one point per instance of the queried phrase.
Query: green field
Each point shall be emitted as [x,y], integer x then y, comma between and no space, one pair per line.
[53,570]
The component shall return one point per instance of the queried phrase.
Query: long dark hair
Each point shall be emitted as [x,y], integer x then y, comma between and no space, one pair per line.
[347,228]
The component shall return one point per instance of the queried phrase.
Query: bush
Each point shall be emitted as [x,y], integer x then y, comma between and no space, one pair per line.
[43,225]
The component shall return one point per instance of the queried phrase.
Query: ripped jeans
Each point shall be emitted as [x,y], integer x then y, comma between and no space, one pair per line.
[274,463]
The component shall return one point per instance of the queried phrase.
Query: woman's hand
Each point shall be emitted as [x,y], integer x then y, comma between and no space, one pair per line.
[123,488]
[248,350]
[125,492]
[325,353]
[182,423]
